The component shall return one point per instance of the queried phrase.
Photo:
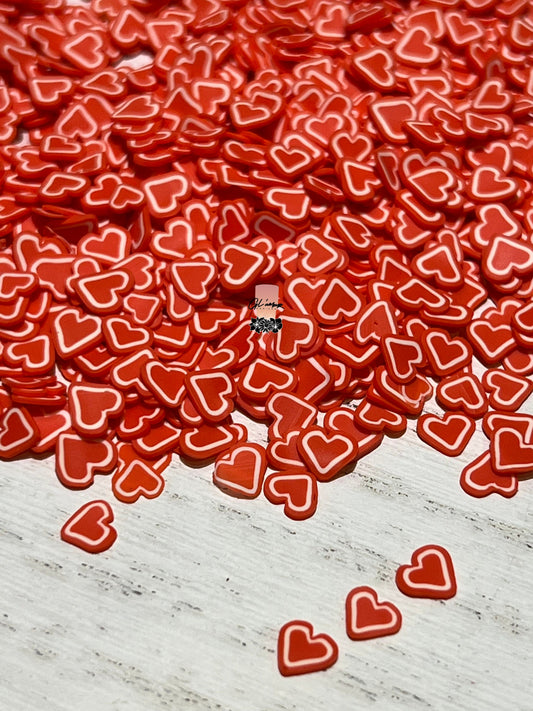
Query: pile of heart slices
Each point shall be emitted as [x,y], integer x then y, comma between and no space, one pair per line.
[158,161]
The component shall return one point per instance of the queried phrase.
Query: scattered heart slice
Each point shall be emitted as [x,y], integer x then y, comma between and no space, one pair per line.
[300,651]
[78,460]
[367,618]
[90,527]
[430,574]
[479,479]
[240,470]
[326,454]
[297,490]
[18,432]
[448,435]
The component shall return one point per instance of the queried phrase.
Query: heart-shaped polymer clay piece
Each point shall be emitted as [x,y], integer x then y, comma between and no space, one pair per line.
[367,617]
[90,527]
[300,651]
[430,574]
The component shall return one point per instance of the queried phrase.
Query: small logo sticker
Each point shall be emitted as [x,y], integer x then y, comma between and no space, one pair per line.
[265,306]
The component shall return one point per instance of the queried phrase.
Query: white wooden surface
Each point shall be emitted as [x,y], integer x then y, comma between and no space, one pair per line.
[183,611]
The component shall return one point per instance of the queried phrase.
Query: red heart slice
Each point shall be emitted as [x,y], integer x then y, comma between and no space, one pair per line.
[344,143]
[301,290]
[283,453]
[60,187]
[194,279]
[91,405]
[145,309]
[18,432]
[462,392]
[297,490]
[265,107]
[460,30]
[126,373]
[178,239]
[506,391]
[408,397]
[224,358]
[298,336]
[415,295]
[164,382]
[121,337]
[75,332]
[318,257]
[206,441]
[14,284]
[293,204]
[511,452]
[480,127]
[90,527]
[416,48]
[102,293]
[521,423]
[35,355]
[505,258]
[212,392]
[522,324]
[145,270]
[294,156]
[85,50]
[78,460]
[433,185]
[209,321]
[402,355]
[479,479]
[354,233]
[263,377]
[53,273]
[137,419]
[161,439]
[135,480]
[341,419]
[301,652]
[109,247]
[358,180]
[240,470]
[97,199]
[430,574]
[290,413]
[367,618]
[375,66]
[136,109]
[376,320]
[446,355]
[95,362]
[243,266]
[338,301]
[489,184]
[424,134]
[326,454]
[448,435]
[494,220]
[107,82]
[314,380]
[373,418]
[165,193]
[440,266]
[344,349]
[389,116]
[491,341]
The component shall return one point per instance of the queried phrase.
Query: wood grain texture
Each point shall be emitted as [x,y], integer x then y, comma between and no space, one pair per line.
[183,611]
